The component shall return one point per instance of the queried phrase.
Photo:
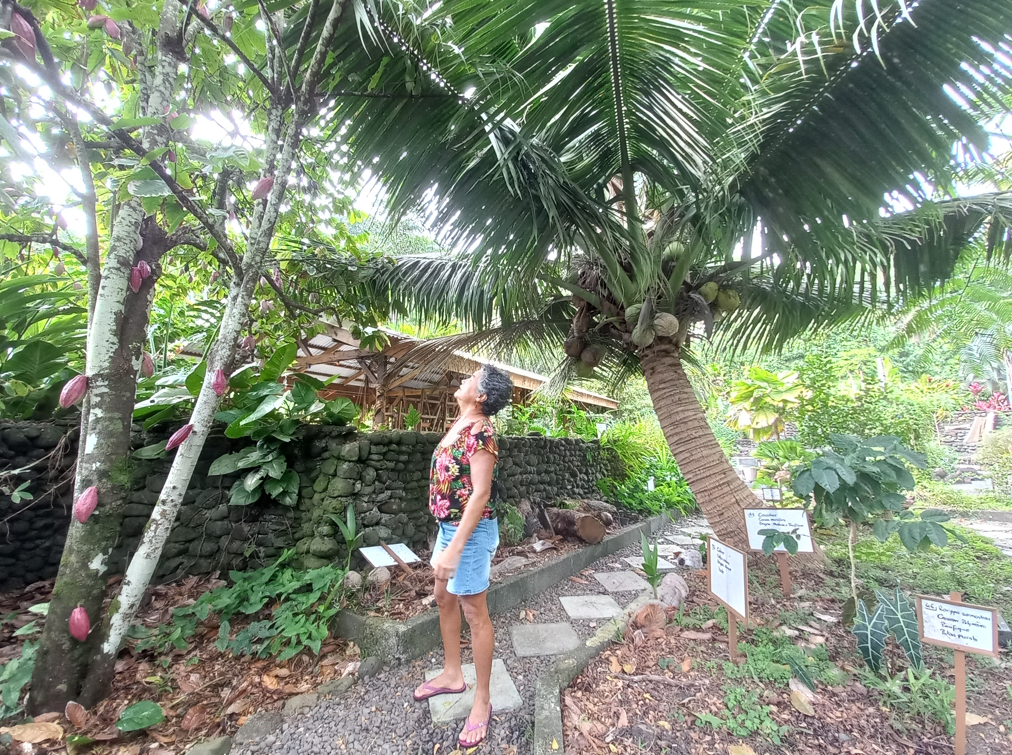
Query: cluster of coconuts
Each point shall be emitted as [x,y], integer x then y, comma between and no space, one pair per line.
[722,301]
[588,355]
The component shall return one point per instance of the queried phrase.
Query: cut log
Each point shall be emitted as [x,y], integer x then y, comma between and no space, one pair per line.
[577,524]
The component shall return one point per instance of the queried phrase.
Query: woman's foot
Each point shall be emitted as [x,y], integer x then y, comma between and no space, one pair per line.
[444,684]
[476,726]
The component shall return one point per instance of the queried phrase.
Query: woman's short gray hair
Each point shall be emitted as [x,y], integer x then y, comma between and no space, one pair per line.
[497,387]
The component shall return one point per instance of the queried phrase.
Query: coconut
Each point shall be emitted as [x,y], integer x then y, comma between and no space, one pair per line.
[666,325]
[643,336]
[584,370]
[632,312]
[592,355]
[728,300]
[672,250]
[708,291]
[574,346]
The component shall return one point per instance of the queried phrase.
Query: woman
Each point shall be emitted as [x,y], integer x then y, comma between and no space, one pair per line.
[460,491]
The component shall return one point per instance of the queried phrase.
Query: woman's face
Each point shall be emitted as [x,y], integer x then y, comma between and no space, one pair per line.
[467,394]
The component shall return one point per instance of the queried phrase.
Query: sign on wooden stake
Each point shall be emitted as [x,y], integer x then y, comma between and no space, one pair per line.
[964,628]
[727,568]
[792,521]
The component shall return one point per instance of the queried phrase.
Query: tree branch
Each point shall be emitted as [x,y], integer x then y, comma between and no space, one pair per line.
[187,237]
[213,28]
[385,96]
[300,49]
[290,304]
[266,14]
[42,238]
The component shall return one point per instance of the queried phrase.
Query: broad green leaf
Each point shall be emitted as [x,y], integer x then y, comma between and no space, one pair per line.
[303,394]
[155,451]
[871,635]
[902,622]
[195,380]
[276,467]
[267,406]
[279,362]
[239,496]
[128,124]
[254,478]
[142,715]
[154,187]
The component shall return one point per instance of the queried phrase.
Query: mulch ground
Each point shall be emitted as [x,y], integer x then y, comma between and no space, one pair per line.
[652,692]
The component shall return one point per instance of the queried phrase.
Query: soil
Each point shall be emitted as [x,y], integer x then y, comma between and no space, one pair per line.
[648,693]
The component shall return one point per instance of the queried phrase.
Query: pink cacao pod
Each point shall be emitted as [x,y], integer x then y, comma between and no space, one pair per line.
[111,28]
[277,276]
[24,35]
[55,251]
[135,279]
[144,268]
[264,309]
[214,276]
[85,504]
[263,188]
[219,383]
[61,221]
[178,437]
[97,22]
[60,269]
[170,156]
[227,22]
[88,5]
[147,365]
[249,342]
[73,391]
[80,624]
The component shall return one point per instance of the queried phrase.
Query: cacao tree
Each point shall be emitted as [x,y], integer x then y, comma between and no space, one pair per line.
[175,131]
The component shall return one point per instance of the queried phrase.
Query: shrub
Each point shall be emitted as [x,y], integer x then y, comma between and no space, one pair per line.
[644,454]
[995,456]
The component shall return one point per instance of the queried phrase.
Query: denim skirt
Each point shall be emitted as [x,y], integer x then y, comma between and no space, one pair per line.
[471,577]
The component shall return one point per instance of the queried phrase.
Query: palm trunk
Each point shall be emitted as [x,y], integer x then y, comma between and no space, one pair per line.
[720,493]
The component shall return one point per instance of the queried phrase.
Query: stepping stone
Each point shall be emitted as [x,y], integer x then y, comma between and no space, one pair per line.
[543,639]
[666,549]
[445,709]
[590,607]
[637,562]
[621,581]
[681,540]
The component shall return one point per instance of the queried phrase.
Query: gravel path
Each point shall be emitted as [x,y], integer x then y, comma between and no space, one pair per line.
[379,717]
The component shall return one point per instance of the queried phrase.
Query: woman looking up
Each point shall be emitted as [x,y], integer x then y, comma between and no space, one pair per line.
[460,492]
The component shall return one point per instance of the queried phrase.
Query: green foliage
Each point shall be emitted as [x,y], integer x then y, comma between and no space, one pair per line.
[915,696]
[349,531]
[902,622]
[871,632]
[861,481]
[775,538]
[995,455]
[412,418]
[511,523]
[931,494]
[778,457]
[651,556]
[14,675]
[41,341]
[644,453]
[760,403]
[139,716]
[744,716]
[299,607]
[553,418]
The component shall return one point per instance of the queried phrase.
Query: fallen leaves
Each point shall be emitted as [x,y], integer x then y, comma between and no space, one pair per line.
[35,732]
[802,704]
[697,635]
[972,719]
[651,617]
[195,717]
[270,682]
[76,714]
[686,665]
[740,750]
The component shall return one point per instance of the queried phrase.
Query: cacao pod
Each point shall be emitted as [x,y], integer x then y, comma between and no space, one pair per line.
[226,23]
[144,268]
[88,5]
[573,346]
[214,276]
[60,220]
[60,269]
[147,365]
[170,156]
[80,625]
[85,504]
[96,22]
[135,279]
[178,437]
[709,291]
[24,35]
[249,342]
[219,383]
[112,29]
[666,325]
[73,391]
[78,286]
[263,188]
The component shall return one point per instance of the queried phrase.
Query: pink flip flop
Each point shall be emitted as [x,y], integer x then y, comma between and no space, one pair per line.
[431,691]
[469,727]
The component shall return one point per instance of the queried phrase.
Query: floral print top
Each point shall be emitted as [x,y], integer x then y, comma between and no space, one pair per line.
[450,485]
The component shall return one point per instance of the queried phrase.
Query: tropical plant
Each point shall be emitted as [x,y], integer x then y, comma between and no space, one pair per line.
[893,615]
[349,531]
[624,177]
[761,402]
[778,457]
[862,481]
[651,557]
[995,455]
[117,157]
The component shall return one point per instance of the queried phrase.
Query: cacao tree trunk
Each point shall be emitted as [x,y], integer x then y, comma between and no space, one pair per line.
[718,490]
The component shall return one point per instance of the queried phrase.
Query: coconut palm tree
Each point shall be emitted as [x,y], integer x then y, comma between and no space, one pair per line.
[675,168]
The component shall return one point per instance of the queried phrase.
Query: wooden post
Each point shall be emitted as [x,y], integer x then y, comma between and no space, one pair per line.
[732,635]
[960,691]
[395,557]
[785,573]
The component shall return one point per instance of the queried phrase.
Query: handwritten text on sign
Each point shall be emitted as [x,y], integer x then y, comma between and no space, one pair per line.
[728,577]
[785,520]
[955,625]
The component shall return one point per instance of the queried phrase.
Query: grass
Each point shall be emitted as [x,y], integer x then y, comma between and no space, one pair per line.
[976,568]
[938,495]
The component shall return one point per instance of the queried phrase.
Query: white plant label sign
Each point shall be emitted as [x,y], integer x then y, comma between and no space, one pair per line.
[973,629]
[728,576]
[785,520]
[377,556]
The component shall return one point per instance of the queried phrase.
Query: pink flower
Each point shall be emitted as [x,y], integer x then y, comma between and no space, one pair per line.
[440,508]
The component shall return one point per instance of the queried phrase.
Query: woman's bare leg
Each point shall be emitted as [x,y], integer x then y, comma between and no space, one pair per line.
[451,676]
[483,645]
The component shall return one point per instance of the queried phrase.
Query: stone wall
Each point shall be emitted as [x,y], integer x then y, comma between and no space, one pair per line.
[383,475]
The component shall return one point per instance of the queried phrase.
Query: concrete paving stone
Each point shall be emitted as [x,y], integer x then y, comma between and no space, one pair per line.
[621,581]
[637,563]
[681,539]
[592,607]
[668,549]
[543,639]
[445,709]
